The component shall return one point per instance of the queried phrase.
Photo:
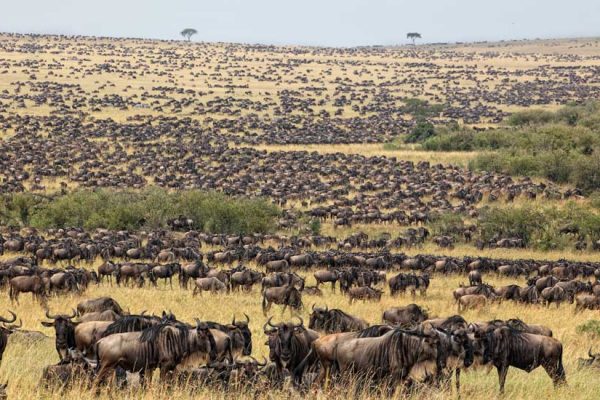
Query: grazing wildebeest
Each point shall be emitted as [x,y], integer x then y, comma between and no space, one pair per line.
[211,284]
[68,371]
[505,347]
[470,301]
[406,317]
[334,320]
[160,346]
[277,266]
[64,328]
[288,296]
[586,301]
[6,331]
[290,345]
[245,279]
[593,360]
[193,270]
[98,305]
[364,293]
[27,284]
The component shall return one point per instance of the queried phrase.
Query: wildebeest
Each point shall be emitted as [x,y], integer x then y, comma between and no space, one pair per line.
[364,293]
[245,279]
[406,317]
[64,329]
[27,284]
[165,272]
[6,331]
[555,294]
[586,301]
[108,315]
[160,346]
[290,343]
[62,375]
[389,359]
[277,266]
[475,278]
[334,320]
[325,275]
[98,305]
[211,284]
[505,347]
[288,296]
[593,360]
[469,301]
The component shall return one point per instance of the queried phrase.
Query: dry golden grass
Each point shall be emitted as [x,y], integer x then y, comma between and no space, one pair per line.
[23,361]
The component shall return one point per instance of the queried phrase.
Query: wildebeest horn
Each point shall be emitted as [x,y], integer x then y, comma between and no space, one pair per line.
[313,307]
[590,353]
[268,323]
[2,319]
[49,316]
[326,308]
[247,318]
[233,321]
[73,315]
[301,322]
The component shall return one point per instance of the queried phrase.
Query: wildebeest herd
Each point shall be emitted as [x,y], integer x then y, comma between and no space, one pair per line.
[101,340]
[366,312]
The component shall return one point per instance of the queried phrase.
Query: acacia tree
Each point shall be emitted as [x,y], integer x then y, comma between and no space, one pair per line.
[188,33]
[413,36]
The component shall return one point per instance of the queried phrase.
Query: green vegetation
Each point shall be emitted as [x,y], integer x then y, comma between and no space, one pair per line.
[562,146]
[152,207]
[591,327]
[546,227]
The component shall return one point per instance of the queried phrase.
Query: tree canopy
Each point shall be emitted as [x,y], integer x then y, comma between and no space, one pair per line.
[188,33]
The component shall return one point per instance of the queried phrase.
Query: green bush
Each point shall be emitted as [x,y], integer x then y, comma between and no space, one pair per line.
[530,117]
[447,224]
[152,207]
[422,131]
[591,327]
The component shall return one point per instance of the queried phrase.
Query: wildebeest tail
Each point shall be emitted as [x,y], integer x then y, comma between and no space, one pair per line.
[300,367]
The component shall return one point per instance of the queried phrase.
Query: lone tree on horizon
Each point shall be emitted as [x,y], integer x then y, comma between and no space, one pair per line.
[188,33]
[413,36]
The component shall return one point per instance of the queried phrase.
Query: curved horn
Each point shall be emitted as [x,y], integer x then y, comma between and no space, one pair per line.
[269,324]
[313,307]
[247,318]
[301,322]
[73,315]
[2,319]
[50,316]
[11,327]
[233,321]
[590,353]
[264,362]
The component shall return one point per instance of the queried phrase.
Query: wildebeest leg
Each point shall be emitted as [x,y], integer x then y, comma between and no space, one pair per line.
[457,381]
[502,371]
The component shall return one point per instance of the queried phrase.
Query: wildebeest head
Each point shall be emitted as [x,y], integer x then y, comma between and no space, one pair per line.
[204,335]
[318,317]
[6,330]
[592,361]
[244,329]
[65,332]
[285,337]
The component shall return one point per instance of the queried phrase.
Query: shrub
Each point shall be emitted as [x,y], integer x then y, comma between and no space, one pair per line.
[530,117]
[591,327]
[152,207]
[422,131]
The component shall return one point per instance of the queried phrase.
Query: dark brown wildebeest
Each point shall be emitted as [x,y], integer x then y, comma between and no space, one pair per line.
[277,266]
[505,347]
[107,269]
[6,331]
[390,359]
[593,360]
[508,292]
[64,328]
[289,346]
[193,270]
[325,275]
[587,301]
[98,305]
[406,317]
[165,272]
[27,284]
[245,279]
[68,371]
[211,284]
[334,321]
[288,296]
[364,293]
[555,294]
[160,346]
[475,278]
[239,333]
